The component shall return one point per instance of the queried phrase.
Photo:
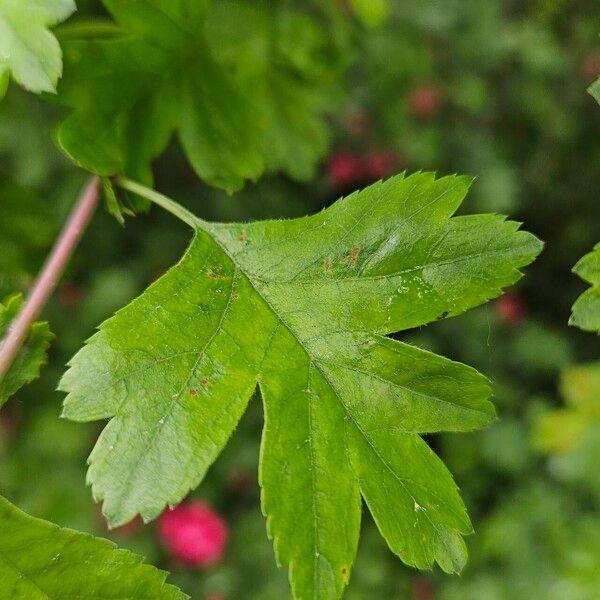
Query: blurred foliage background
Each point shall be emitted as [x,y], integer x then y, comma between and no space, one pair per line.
[495,89]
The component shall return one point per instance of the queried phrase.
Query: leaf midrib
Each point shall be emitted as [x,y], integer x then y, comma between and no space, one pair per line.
[206,228]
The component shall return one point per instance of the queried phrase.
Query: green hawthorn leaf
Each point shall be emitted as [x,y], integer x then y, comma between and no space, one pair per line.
[302,309]
[586,310]
[27,48]
[282,61]
[31,356]
[131,91]
[182,67]
[41,561]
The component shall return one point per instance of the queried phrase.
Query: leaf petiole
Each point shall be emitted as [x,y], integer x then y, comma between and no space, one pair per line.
[161,200]
[50,274]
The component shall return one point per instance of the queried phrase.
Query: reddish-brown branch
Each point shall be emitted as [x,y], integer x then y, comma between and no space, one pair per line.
[50,273]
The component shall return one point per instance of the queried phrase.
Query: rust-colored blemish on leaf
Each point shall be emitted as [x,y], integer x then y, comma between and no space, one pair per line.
[243,237]
[193,392]
[204,381]
[215,273]
[354,255]
[327,263]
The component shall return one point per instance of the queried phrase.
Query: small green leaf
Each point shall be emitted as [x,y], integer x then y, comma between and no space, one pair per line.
[41,561]
[594,90]
[301,309]
[31,356]
[27,48]
[114,206]
[586,310]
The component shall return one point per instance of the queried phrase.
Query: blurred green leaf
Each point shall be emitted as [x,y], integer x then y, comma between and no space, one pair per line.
[130,93]
[586,310]
[561,430]
[293,66]
[372,12]
[40,560]
[28,50]
[31,356]
[594,90]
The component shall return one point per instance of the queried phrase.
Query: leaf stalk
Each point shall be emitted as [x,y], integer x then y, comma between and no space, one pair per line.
[161,200]
[50,273]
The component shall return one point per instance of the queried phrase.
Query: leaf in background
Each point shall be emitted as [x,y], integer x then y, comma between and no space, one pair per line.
[31,356]
[371,12]
[294,64]
[586,310]
[302,308]
[27,48]
[594,90]
[571,435]
[559,431]
[41,560]
[130,92]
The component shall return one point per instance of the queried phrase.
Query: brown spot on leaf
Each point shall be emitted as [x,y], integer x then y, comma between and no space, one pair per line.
[204,381]
[215,273]
[354,255]
[193,392]
[327,263]
[344,571]
[243,237]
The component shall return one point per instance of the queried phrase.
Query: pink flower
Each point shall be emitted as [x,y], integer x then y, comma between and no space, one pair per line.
[424,101]
[344,169]
[511,308]
[193,533]
[380,164]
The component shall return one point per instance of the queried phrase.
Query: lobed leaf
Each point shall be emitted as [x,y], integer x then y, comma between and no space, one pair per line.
[28,50]
[586,310]
[31,356]
[41,561]
[302,309]
[167,72]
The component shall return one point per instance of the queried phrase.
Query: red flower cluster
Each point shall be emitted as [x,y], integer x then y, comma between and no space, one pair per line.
[193,533]
[511,308]
[424,101]
[346,169]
